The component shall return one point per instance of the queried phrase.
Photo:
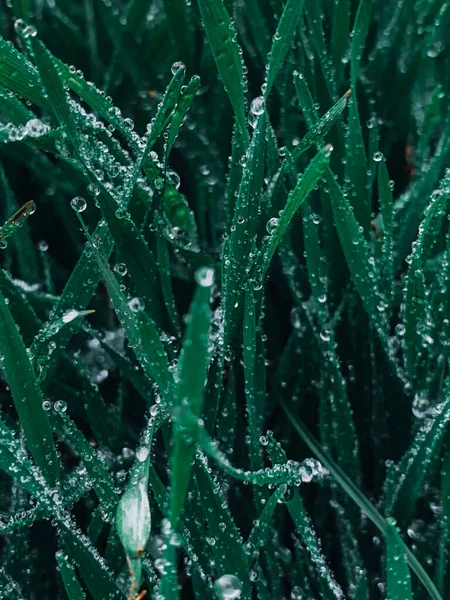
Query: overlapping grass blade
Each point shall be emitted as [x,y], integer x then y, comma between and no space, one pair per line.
[398,579]
[27,395]
[304,186]
[227,55]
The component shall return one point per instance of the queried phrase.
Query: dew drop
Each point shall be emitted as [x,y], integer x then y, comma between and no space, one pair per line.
[257,106]
[177,65]
[136,305]
[46,405]
[377,156]
[228,587]
[204,276]
[121,269]
[78,204]
[272,224]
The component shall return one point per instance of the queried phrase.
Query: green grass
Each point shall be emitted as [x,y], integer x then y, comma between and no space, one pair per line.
[224,305]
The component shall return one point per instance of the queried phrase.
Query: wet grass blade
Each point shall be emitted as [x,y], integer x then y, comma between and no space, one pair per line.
[181,110]
[56,93]
[387,210]
[360,29]
[304,186]
[72,586]
[283,40]
[398,579]
[222,39]
[27,395]
[20,76]
[261,529]
[358,497]
[404,483]
[192,372]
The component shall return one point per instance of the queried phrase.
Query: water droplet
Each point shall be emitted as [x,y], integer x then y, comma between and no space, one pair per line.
[377,156]
[60,406]
[159,183]
[228,587]
[136,305]
[177,65]
[42,246]
[142,454]
[78,204]
[46,405]
[272,224]
[121,269]
[257,106]
[204,276]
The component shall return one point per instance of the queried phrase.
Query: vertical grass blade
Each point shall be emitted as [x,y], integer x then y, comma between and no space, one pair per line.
[72,586]
[398,579]
[224,46]
[282,40]
[192,372]
[27,395]
[360,30]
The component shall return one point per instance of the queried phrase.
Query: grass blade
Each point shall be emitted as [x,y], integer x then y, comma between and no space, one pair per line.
[27,395]
[283,40]
[397,572]
[226,52]
[72,586]
[192,370]
[360,30]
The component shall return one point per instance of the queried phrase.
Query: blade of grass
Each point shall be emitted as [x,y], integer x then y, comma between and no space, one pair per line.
[282,40]
[72,586]
[192,372]
[27,395]
[358,497]
[227,55]
[398,579]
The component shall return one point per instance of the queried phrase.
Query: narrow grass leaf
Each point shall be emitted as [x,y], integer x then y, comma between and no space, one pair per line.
[20,76]
[72,586]
[304,186]
[360,30]
[398,579]
[192,372]
[227,55]
[405,482]
[328,585]
[261,529]
[387,210]
[340,35]
[181,110]
[27,395]
[283,40]
[358,497]
[53,85]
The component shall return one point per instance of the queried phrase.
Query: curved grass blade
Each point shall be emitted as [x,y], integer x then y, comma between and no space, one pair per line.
[16,221]
[141,331]
[357,254]
[72,586]
[102,481]
[318,128]
[192,372]
[27,395]
[358,497]
[415,296]
[261,529]
[398,579]
[20,76]
[405,482]
[181,110]
[282,40]
[222,39]
[56,93]
[304,186]
[360,29]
